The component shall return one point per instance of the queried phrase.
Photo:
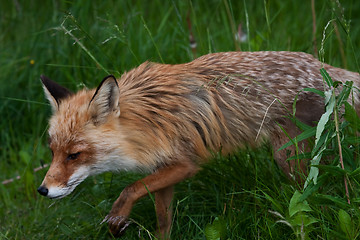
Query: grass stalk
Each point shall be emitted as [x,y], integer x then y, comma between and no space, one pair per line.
[82,46]
[152,39]
[313,13]
[336,119]
[232,24]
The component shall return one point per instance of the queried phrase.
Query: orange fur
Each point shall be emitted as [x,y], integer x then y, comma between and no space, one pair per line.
[167,119]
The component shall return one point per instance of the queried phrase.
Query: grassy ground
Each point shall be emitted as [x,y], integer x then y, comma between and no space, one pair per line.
[77,43]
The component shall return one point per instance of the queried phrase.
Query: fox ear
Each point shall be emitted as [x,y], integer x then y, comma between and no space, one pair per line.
[54,92]
[105,100]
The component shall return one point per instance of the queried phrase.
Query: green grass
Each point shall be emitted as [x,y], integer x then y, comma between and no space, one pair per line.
[40,37]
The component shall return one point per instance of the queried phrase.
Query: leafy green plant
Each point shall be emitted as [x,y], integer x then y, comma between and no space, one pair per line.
[216,230]
[346,224]
[298,217]
[336,143]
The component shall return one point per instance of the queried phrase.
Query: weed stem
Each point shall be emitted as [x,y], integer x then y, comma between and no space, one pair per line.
[340,149]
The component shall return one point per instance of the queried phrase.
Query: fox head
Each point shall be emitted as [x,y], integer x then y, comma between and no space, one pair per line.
[83,135]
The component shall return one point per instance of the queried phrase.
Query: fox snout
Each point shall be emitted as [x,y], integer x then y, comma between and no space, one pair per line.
[58,185]
[54,192]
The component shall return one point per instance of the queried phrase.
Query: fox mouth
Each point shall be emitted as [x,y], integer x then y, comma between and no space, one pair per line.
[60,192]
[58,197]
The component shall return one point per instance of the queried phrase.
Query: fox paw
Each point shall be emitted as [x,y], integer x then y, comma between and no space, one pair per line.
[117,224]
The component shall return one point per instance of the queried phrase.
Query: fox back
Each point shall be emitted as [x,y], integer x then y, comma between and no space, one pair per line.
[159,115]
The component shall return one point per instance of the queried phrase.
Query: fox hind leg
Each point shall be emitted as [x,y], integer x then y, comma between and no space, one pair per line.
[294,169]
[163,200]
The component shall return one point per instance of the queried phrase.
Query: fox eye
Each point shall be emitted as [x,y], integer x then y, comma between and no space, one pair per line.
[73,156]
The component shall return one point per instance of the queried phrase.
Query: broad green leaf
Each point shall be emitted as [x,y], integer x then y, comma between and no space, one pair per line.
[318,92]
[328,94]
[334,170]
[325,117]
[330,200]
[211,233]
[302,220]
[216,230]
[304,135]
[327,77]
[297,206]
[314,171]
[322,143]
[346,224]
[336,84]
[299,124]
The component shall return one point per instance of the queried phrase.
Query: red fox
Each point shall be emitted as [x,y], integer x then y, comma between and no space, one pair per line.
[168,119]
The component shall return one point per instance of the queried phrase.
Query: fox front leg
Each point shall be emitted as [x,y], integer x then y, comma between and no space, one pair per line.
[117,218]
[161,182]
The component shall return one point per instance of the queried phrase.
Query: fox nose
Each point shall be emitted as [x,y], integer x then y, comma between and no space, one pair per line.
[43,190]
